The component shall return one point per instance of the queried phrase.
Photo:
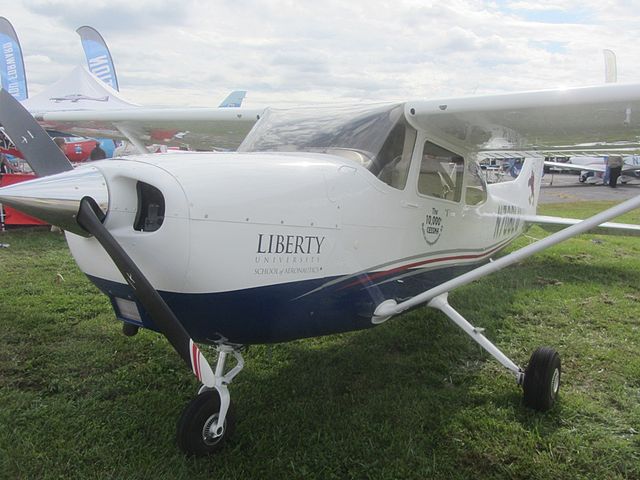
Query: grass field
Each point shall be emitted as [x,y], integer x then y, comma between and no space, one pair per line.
[413,398]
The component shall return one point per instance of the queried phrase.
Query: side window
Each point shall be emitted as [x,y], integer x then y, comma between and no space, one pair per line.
[441,173]
[392,162]
[476,190]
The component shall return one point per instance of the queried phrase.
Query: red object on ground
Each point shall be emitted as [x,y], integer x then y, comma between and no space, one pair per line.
[12,216]
[11,151]
[78,149]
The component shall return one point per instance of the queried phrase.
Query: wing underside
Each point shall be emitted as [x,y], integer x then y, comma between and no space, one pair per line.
[541,120]
[201,128]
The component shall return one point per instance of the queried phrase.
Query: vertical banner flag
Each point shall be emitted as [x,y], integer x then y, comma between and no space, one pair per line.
[98,56]
[610,66]
[14,79]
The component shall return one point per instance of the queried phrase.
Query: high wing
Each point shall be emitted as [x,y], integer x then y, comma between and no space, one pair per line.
[525,121]
[594,167]
[83,105]
[201,128]
[537,120]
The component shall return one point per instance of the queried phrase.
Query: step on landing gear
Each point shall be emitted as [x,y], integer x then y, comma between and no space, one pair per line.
[540,381]
[208,420]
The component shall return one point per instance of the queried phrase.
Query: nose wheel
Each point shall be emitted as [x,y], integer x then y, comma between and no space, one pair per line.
[198,432]
[208,420]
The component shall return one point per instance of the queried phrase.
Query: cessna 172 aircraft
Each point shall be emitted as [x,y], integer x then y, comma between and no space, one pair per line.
[325,220]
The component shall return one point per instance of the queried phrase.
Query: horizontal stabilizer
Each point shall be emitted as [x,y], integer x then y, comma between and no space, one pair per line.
[553,224]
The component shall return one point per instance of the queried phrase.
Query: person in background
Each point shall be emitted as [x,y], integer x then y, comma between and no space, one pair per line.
[5,165]
[615,169]
[97,153]
[59,141]
[607,172]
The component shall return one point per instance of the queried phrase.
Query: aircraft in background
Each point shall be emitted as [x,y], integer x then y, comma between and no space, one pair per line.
[592,168]
[101,64]
[234,99]
[326,220]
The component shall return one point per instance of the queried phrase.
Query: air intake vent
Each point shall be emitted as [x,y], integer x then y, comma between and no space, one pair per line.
[150,213]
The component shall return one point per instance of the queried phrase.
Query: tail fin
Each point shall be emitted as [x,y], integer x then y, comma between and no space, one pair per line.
[529,182]
[524,191]
[234,99]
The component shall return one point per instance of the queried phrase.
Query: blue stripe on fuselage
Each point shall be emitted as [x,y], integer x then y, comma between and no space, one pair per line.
[282,312]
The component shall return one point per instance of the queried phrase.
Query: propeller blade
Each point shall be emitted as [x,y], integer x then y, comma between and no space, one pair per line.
[39,150]
[90,218]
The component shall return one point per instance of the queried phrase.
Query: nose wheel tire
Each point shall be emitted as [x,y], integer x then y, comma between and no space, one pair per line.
[542,379]
[196,428]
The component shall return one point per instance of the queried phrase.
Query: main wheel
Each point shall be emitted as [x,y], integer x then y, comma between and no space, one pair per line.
[542,379]
[195,433]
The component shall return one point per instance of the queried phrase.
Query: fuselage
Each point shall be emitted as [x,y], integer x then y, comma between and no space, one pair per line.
[268,247]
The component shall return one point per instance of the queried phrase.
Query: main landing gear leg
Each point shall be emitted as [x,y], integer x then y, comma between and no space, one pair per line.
[208,420]
[540,381]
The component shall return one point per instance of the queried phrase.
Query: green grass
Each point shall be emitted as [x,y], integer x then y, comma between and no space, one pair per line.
[413,398]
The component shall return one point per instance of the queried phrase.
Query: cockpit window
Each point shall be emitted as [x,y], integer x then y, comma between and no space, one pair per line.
[476,189]
[441,173]
[377,137]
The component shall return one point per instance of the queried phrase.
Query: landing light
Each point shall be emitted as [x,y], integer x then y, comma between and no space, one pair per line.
[128,309]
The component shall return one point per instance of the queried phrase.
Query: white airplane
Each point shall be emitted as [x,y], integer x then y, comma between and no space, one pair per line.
[325,220]
[592,168]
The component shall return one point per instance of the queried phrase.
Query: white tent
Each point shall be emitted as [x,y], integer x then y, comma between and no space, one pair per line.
[80,90]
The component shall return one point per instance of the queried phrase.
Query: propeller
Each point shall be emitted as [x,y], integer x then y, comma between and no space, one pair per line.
[90,218]
[42,154]
[45,198]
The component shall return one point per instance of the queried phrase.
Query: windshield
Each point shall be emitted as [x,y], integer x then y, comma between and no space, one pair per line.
[354,132]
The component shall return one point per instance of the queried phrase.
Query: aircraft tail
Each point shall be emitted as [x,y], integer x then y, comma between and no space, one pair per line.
[98,56]
[234,99]
[14,79]
[524,191]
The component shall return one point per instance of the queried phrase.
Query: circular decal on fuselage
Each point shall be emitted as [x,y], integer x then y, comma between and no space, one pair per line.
[432,227]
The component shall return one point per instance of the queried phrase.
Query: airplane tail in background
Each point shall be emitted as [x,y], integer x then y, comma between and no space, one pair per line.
[14,79]
[234,99]
[98,56]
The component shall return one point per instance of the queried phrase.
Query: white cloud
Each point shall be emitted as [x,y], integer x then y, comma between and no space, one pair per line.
[194,52]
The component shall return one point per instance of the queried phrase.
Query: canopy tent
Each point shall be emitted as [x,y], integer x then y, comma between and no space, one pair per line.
[79,90]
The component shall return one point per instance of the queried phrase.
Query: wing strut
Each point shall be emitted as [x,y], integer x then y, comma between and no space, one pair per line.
[132,137]
[441,303]
[389,308]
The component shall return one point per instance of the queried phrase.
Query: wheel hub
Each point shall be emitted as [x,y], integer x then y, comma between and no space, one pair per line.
[555,382]
[209,435]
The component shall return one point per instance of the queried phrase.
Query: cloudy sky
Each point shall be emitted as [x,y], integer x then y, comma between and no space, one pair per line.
[192,52]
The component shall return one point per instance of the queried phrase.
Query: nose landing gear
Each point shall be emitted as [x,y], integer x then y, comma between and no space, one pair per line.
[208,420]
